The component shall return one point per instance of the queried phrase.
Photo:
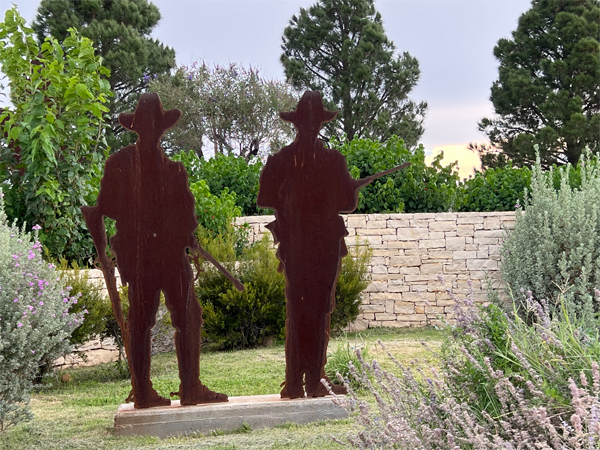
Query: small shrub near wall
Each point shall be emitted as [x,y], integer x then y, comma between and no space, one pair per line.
[90,298]
[234,319]
[35,322]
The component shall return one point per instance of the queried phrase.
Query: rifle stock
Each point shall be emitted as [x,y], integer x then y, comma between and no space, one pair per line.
[94,222]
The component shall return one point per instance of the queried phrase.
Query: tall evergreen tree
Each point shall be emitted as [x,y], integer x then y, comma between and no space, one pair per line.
[548,87]
[120,31]
[339,47]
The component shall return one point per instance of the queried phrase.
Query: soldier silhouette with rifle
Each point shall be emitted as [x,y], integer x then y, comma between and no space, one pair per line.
[148,196]
[308,186]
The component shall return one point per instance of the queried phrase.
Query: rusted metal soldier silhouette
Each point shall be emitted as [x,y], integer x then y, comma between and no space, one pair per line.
[148,196]
[308,186]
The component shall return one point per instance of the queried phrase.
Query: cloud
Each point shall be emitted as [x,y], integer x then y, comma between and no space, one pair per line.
[468,160]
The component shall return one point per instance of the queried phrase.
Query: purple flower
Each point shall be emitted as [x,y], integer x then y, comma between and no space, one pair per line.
[36,227]
[19,325]
[16,300]
[146,77]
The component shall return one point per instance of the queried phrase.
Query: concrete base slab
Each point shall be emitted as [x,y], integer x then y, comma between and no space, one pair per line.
[259,411]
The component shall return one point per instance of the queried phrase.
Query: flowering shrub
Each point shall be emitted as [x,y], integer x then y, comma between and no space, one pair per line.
[35,323]
[503,385]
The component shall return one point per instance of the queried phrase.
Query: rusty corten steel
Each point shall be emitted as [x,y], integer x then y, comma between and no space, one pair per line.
[308,186]
[148,196]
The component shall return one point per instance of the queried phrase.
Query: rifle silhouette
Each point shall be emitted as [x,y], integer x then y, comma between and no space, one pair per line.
[237,283]
[368,180]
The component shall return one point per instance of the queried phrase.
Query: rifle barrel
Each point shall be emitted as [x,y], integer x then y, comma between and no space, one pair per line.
[368,180]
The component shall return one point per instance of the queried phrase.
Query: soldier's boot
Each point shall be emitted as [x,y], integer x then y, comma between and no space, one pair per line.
[144,395]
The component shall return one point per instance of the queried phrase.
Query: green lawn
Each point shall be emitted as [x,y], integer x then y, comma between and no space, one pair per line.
[80,414]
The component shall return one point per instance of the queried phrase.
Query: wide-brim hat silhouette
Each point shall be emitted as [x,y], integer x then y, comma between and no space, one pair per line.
[310,109]
[150,112]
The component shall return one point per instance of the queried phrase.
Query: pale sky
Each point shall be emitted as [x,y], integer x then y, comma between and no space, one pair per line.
[452,39]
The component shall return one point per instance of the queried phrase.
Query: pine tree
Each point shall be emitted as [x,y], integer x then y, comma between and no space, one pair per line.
[120,31]
[339,47]
[548,87]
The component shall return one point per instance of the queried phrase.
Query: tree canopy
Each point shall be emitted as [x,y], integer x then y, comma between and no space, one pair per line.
[232,107]
[548,87]
[52,145]
[339,47]
[120,31]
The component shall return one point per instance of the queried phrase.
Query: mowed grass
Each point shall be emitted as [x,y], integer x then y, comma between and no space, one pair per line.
[80,414]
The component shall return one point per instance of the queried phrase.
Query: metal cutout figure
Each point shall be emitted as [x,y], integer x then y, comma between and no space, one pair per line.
[148,196]
[308,186]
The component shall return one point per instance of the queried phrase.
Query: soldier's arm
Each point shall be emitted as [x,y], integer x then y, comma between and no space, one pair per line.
[268,190]
[105,203]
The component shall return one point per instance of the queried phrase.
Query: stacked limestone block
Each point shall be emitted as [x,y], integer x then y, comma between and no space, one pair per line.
[417,258]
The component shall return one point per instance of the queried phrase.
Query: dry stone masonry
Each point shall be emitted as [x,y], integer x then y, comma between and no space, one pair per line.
[417,258]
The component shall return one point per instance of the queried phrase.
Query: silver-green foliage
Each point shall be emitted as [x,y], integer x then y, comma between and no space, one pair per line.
[35,324]
[556,239]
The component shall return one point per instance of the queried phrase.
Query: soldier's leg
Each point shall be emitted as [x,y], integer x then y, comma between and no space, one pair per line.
[143,304]
[294,365]
[186,316]
[320,306]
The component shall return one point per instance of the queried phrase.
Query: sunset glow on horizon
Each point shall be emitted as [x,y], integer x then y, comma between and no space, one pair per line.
[468,160]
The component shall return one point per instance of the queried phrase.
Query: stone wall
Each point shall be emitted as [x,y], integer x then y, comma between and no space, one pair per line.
[417,258]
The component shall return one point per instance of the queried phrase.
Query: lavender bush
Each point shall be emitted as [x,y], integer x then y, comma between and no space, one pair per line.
[502,384]
[35,324]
